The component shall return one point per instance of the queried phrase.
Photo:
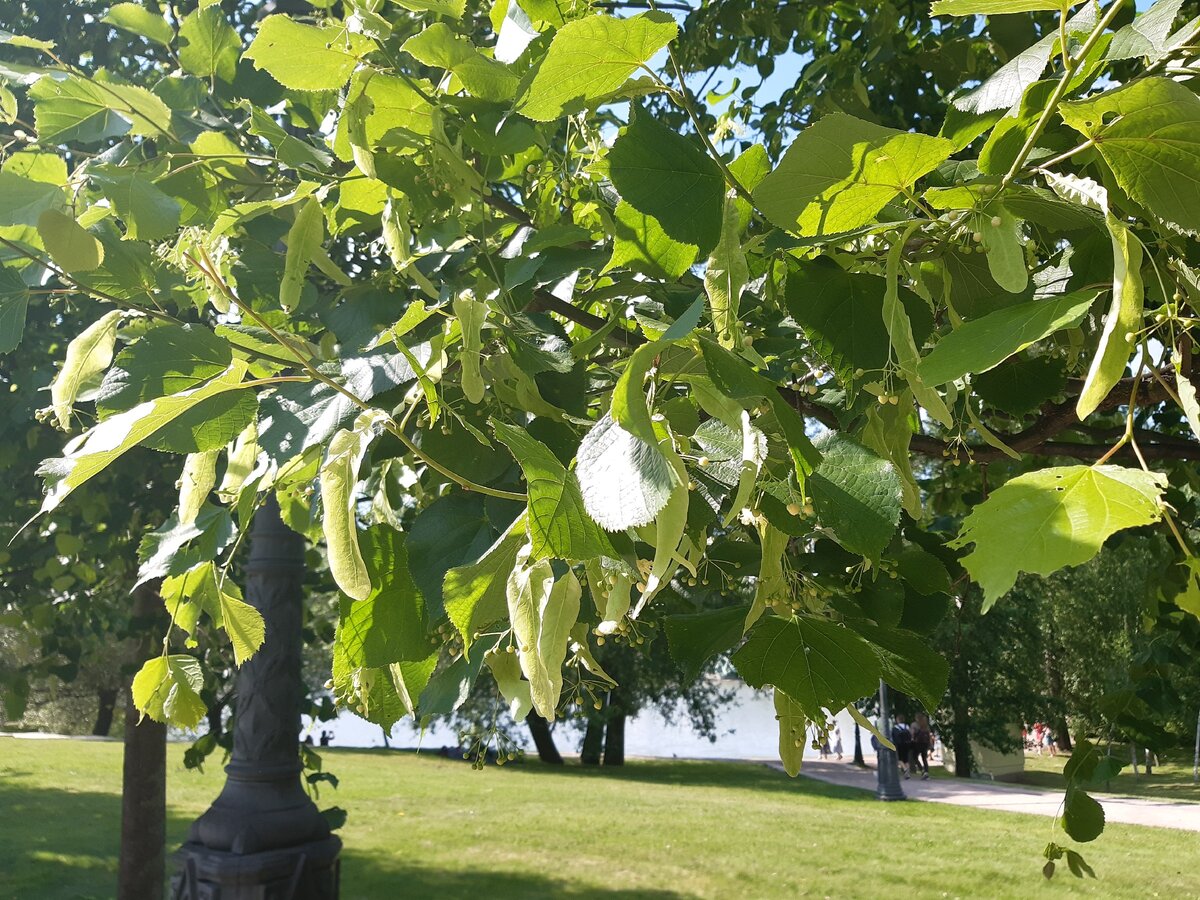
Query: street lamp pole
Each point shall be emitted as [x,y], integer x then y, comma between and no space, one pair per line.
[263,837]
[888,770]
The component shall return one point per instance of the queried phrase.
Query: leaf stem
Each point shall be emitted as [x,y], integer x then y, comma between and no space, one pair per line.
[307,364]
[1060,91]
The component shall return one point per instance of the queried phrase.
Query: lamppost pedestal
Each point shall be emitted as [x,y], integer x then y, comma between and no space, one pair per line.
[263,837]
[888,785]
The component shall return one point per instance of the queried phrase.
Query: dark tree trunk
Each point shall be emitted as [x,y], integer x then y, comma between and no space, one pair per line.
[1054,687]
[960,740]
[539,729]
[614,740]
[106,706]
[1062,736]
[142,868]
[858,754]
[958,691]
[593,741]
[215,715]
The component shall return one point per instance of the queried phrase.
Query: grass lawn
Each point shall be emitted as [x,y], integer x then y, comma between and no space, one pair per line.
[1172,780]
[423,827]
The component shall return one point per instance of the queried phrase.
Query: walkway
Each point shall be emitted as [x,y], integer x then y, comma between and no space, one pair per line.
[1009,797]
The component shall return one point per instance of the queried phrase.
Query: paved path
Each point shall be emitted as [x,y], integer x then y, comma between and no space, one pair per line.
[1009,797]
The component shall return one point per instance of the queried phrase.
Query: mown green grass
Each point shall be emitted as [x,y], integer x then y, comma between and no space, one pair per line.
[423,827]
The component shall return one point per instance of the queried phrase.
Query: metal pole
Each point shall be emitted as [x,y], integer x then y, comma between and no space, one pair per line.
[888,769]
[263,836]
[1196,758]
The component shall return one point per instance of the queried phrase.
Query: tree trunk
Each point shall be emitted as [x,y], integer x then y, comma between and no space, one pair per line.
[539,729]
[107,703]
[614,740]
[1054,686]
[593,741]
[142,868]
[858,754]
[215,717]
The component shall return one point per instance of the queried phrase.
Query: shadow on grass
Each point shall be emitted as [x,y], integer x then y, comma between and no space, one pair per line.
[57,843]
[734,776]
[364,876]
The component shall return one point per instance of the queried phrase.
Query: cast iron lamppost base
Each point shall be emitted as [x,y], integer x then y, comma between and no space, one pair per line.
[263,838]
[888,787]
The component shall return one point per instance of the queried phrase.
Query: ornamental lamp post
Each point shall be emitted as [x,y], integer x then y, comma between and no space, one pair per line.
[263,838]
[888,787]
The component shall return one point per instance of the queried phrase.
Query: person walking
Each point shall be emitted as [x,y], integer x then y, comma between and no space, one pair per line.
[902,738]
[837,741]
[922,739]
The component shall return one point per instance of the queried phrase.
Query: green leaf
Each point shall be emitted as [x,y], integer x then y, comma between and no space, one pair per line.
[793,732]
[474,595]
[174,548]
[71,247]
[452,8]
[339,501]
[141,21]
[1005,248]
[922,571]
[839,173]
[208,44]
[1078,865]
[908,664]
[664,175]
[1186,391]
[842,314]
[725,275]
[471,314]
[818,664]
[450,687]
[451,531]
[306,57]
[856,495]
[543,610]
[82,110]
[1147,35]
[1004,88]
[1083,816]
[641,243]
[1042,521]
[625,481]
[167,689]
[203,588]
[8,106]
[1021,384]
[388,626]
[1123,321]
[97,448]
[439,46]
[1148,132]
[506,669]
[558,525]
[89,353]
[196,482]
[21,40]
[14,303]
[695,638]
[304,241]
[170,359]
[735,379]
[22,200]
[900,333]
[995,7]
[589,59]
[148,213]
[983,343]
